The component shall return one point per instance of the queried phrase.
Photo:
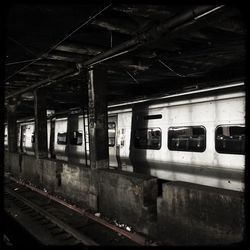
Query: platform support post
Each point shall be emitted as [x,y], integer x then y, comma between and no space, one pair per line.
[12,125]
[98,119]
[41,144]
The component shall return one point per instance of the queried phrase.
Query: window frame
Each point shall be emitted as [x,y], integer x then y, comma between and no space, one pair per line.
[62,143]
[183,150]
[144,147]
[215,138]
[113,144]
[71,138]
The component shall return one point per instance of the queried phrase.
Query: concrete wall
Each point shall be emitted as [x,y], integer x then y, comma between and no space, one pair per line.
[77,184]
[73,182]
[186,214]
[11,162]
[193,214]
[30,169]
[129,198]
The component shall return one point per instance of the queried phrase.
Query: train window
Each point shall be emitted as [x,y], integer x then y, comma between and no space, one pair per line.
[111,134]
[62,138]
[76,138]
[147,138]
[230,139]
[187,138]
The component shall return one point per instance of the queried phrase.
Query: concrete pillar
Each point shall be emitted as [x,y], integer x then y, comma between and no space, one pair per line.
[41,144]
[98,119]
[12,126]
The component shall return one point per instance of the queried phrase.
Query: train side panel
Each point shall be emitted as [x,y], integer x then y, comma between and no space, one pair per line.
[28,138]
[60,140]
[207,167]
[123,139]
[75,144]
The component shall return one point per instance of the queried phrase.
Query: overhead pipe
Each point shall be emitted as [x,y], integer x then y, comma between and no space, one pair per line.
[130,45]
[66,73]
[153,34]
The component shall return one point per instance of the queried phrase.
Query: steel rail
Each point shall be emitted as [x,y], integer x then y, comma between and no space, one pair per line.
[132,236]
[82,238]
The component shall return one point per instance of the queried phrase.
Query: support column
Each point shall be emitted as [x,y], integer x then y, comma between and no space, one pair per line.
[41,144]
[12,125]
[98,119]
[72,129]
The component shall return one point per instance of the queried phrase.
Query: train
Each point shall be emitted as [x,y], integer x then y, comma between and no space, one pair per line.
[197,136]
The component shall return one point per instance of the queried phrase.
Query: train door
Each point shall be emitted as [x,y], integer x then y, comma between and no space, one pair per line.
[22,138]
[52,139]
[112,142]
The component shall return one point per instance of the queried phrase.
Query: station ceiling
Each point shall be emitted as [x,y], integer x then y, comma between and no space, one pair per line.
[154,50]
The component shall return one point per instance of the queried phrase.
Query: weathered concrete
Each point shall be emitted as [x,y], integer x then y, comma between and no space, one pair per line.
[47,174]
[73,182]
[41,144]
[129,198]
[186,214]
[12,128]
[11,162]
[197,215]
[30,169]
[76,185]
[98,119]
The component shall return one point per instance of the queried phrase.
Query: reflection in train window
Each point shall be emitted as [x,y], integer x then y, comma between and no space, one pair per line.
[147,138]
[230,139]
[5,139]
[62,138]
[33,138]
[187,138]
[75,138]
[111,134]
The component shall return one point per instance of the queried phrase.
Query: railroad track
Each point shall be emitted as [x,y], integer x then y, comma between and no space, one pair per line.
[54,222]
[57,228]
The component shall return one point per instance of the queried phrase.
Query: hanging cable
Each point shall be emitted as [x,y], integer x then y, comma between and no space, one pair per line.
[21,45]
[132,77]
[164,64]
[111,39]
[19,62]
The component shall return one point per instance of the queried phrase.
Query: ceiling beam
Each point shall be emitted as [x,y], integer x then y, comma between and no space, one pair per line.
[66,57]
[90,50]
[124,26]
[143,10]
[41,83]
[154,33]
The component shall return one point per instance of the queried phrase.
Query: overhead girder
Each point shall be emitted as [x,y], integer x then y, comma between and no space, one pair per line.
[126,26]
[83,49]
[66,56]
[153,34]
[143,10]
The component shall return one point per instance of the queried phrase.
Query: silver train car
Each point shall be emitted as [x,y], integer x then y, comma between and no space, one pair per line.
[196,137]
